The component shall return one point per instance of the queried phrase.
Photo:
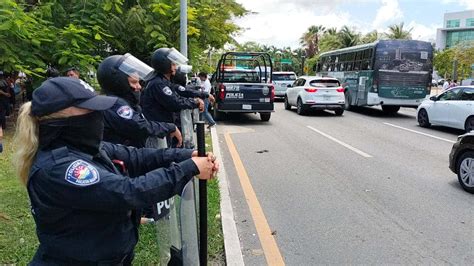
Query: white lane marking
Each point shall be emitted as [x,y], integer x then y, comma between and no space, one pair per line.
[342,143]
[421,133]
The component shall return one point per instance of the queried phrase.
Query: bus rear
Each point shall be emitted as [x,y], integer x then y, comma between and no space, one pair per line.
[402,73]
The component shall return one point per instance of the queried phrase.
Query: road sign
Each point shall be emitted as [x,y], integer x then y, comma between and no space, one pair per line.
[286,61]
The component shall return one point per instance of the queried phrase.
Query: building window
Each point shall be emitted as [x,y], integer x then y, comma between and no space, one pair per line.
[455,37]
[470,22]
[454,23]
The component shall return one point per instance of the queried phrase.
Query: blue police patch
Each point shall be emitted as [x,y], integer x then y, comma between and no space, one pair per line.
[181,88]
[125,112]
[167,91]
[82,173]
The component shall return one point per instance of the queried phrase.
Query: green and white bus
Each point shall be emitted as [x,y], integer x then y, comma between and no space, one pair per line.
[390,73]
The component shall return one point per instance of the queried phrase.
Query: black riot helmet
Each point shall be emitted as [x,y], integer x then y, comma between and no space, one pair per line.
[114,71]
[162,59]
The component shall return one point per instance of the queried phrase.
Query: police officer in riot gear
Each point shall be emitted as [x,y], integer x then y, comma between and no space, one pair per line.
[81,204]
[124,123]
[160,101]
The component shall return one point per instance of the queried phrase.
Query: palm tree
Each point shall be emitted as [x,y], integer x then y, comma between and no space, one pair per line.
[310,40]
[371,37]
[397,32]
[348,37]
[331,31]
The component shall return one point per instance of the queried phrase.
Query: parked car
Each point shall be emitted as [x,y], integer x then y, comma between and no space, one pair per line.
[311,92]
[281,80]
[461,161]
[452,108]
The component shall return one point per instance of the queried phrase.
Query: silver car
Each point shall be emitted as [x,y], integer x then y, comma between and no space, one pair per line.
[281,80]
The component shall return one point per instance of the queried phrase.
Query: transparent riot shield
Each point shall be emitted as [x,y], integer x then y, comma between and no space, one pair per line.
[165,215]
[188,225]
[187,129]
[155,142]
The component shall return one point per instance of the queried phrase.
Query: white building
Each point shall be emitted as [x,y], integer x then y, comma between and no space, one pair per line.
[457,27]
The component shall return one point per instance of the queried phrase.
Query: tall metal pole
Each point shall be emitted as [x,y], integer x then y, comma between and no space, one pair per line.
[201,143]
[183,36]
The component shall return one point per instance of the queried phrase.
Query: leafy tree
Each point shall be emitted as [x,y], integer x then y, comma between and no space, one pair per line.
[463,53]
[80,33]
[397,31]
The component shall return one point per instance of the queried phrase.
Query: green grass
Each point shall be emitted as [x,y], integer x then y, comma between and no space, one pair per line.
[18,241]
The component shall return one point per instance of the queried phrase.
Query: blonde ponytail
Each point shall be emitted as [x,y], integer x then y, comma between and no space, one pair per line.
[25,142]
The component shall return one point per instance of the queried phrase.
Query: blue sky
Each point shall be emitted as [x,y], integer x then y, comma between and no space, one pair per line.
[282,22]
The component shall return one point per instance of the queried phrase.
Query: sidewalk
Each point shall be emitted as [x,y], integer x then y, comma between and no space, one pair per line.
[233,251]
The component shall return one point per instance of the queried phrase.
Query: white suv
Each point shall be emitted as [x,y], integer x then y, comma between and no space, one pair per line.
[311,92]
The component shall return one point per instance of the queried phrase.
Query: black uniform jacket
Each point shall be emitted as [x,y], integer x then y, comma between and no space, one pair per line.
[125,125]
[82,205]
[160,101]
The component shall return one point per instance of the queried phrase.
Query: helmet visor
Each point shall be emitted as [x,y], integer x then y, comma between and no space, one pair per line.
[177,57]
[132,66]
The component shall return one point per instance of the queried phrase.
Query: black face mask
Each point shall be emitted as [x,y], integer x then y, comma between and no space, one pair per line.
[82,132]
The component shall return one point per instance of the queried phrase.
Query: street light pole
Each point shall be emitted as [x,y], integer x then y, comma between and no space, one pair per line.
[183,18]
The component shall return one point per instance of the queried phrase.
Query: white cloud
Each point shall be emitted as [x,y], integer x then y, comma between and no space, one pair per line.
[469,4]
[423,32]
[389,11]
[281,23]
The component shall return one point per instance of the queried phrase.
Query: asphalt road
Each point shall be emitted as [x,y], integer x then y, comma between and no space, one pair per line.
[356,189]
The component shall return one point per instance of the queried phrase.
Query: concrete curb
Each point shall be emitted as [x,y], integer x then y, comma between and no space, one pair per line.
[233,252]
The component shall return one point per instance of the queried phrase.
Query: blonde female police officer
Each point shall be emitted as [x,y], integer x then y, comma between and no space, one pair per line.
[82,206]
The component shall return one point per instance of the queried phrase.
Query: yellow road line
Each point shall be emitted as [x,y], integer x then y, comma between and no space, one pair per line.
[269,245]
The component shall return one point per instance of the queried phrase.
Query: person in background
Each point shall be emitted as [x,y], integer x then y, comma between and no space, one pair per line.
[4,100]
[83,207]
[52,72]
[446,84]
[206,87]
[453,84]
[73,73]
[1,139]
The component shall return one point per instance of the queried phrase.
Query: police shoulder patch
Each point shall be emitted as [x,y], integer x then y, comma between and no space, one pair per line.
[167,91]
[81,173]
[181,88]
[125,112]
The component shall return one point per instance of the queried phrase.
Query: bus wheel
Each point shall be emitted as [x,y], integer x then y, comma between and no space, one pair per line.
[265,116]
[469,125]
[347,101]
[390,109]
[423,119]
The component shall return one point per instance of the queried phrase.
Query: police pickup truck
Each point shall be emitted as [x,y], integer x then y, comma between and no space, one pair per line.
[241,84]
